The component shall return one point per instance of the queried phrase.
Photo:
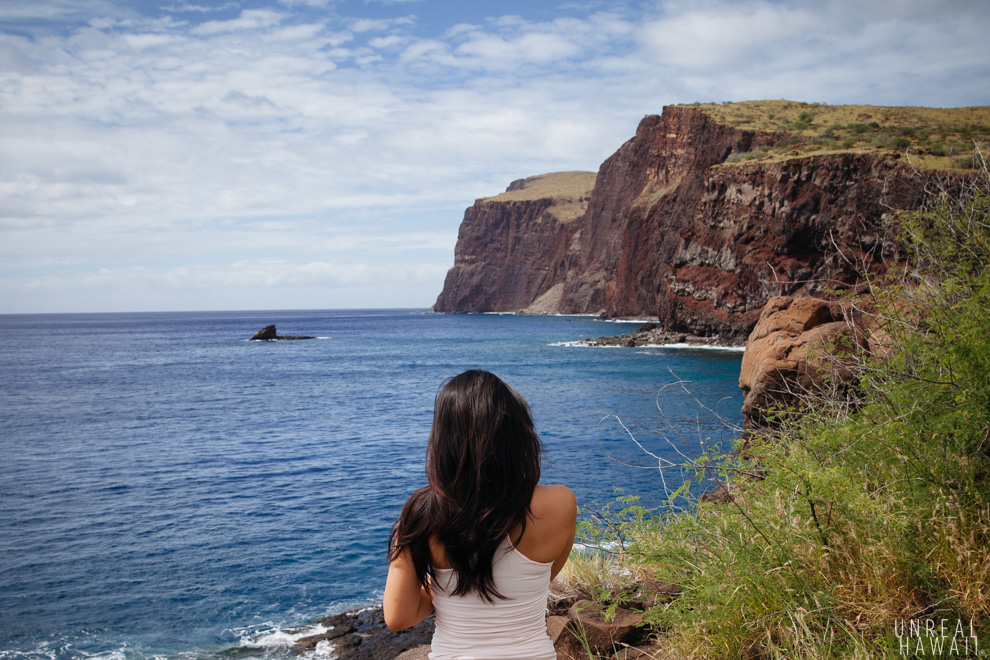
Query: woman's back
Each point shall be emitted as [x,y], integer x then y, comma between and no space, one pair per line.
[483,540]
[515,626]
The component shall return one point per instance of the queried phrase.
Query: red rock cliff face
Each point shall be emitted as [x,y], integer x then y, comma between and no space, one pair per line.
[509,247]
[671,231]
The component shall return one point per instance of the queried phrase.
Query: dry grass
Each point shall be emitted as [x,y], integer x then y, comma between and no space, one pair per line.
[569,190]
[933,138]
[590,571]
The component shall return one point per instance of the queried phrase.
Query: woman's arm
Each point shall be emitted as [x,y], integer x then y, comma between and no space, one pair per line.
[406,601]
[566,504]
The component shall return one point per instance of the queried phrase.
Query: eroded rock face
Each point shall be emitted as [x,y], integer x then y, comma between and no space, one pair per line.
[799,347]
[671,231]
[510,247]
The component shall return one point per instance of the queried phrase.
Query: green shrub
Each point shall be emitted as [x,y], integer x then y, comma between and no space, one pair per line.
[863,515]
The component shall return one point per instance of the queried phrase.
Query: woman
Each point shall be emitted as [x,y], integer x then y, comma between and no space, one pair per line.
[481,543]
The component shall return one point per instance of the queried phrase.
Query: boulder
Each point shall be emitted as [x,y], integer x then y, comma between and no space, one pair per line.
[603,636]
[650,593]
[564,639]
[799,347]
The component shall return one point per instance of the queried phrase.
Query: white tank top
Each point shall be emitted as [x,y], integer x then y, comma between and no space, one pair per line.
[514,627]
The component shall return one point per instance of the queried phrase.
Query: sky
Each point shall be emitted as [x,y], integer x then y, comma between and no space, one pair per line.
[171,155]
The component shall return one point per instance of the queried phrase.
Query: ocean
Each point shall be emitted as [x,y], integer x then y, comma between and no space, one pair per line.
[169,489]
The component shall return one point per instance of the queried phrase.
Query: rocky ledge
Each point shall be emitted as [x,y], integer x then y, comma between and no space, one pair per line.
[650,334]
[363,635]
[268,334]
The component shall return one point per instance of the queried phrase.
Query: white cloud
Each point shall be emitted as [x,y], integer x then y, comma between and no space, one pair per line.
[381,24]
[841,51]
[390,41]
[200,9]
[284,136]
[250,19]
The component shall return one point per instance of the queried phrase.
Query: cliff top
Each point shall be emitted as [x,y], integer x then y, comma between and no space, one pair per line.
[569,190]
[933,138]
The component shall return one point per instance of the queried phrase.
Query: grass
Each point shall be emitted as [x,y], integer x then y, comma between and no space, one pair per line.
[933,138]
[872,512]
[570,192]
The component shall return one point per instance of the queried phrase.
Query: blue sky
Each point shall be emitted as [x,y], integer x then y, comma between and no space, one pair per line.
[309,154]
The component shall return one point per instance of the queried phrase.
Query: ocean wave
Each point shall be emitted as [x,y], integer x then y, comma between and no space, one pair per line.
[696,347]
[640,321]
[273,639]
[276,637]
[584,343]
[580,343]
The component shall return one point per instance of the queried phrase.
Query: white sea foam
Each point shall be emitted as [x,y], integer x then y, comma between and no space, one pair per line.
[323,651]
[584,343]
[640,321]
[115,654]
[580,343]
[696,347]
[279,638]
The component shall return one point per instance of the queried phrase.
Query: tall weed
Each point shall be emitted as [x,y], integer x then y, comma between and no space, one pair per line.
[872,509]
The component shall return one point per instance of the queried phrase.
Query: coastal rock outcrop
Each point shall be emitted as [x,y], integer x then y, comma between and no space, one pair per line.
[798,348]
[268,333]
[671,230]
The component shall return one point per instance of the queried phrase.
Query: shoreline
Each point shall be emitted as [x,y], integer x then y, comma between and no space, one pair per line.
[650,335]
[361,634]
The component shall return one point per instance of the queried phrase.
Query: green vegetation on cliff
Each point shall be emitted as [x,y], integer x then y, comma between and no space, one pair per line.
[863,514]
[933,138]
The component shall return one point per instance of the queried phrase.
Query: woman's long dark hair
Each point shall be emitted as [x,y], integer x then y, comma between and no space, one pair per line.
[482,466]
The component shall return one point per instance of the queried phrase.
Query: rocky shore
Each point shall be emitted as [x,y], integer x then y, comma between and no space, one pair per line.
[363,635]
[651,334]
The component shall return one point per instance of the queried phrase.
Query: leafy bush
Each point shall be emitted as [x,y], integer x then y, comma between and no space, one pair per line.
[848,519]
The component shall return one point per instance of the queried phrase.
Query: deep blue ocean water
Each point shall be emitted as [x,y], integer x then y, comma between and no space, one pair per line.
[169,489]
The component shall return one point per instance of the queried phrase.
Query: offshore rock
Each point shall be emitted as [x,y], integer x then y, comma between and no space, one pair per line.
[268,334]
[670,231]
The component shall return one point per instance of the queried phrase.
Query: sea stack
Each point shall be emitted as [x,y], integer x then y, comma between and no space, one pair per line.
[268,334]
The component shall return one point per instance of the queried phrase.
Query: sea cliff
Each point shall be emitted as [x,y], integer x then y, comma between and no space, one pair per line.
[680,225]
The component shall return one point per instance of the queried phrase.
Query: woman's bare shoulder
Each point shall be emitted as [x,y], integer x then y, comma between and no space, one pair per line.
[552,497]
[555,506]
[550,531]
